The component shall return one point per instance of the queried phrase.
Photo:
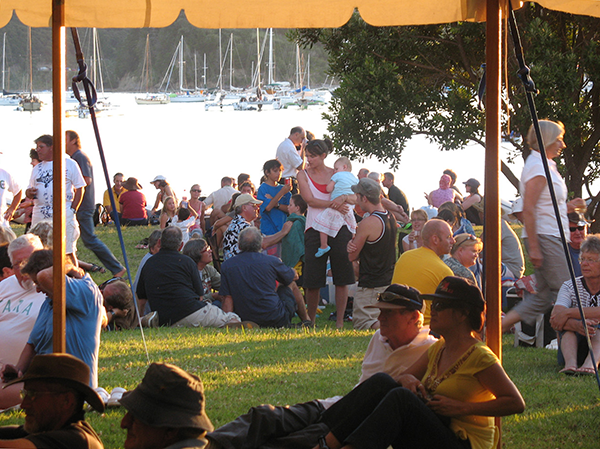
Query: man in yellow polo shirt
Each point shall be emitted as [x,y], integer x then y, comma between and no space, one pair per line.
[117,189]
[423,268]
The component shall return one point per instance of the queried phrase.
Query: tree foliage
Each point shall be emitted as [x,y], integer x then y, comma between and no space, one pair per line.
[398,82]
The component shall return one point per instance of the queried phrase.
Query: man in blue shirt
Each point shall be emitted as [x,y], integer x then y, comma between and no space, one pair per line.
[84,316]
[249,284]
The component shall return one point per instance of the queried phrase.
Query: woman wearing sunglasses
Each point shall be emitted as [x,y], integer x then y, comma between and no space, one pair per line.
[463,255]
[448,398]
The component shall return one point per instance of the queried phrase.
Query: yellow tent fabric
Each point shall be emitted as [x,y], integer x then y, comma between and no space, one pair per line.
[243,13]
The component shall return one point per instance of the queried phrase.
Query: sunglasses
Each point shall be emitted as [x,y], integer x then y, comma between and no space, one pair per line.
[389,297]
[111,280]
[438,306]
[576,228]
[196,190]
[470,238]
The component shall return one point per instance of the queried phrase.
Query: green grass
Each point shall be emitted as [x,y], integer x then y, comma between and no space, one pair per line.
[241,369]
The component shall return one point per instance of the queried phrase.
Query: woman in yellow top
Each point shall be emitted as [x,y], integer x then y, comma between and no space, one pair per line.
[446,399]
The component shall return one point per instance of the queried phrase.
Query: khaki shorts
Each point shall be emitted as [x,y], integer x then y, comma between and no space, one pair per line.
[207,316]
[71,232]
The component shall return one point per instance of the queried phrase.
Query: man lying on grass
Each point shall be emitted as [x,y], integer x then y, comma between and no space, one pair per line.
[398,343]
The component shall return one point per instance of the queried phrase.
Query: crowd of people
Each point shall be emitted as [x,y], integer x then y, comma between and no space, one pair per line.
[249,258]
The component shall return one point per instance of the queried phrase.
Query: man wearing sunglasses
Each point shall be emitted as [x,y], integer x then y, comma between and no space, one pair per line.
[395,346]
[578,227]
[55,388]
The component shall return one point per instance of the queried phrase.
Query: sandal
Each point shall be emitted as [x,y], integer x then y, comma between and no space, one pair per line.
[96,269]
[585,372]
[568,370]
[323,443]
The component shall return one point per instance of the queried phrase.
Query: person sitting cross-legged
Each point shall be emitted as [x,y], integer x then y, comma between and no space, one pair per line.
[248,284]
[170,282]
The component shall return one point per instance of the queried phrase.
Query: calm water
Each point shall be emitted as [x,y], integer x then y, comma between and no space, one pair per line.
[189,145]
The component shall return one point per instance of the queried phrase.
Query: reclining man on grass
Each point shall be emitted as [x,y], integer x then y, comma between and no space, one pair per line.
[399,342]
[56,386]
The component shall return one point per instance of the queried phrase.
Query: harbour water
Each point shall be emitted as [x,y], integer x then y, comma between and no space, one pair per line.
[189,145]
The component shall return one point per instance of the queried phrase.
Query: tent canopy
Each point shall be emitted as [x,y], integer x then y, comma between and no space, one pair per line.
[248,14]
[264,13]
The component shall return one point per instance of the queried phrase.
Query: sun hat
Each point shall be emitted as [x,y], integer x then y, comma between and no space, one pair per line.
[132,184]
[455,288]
[472,182]
[398,296]
[66,369]
[517,207]
[158,178]
[367,187]
[168,397]
[246,198]
[579,218]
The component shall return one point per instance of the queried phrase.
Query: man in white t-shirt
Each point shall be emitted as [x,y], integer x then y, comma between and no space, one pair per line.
[219,198]
[289,156]
[40,190]
[19,301]
[8,183]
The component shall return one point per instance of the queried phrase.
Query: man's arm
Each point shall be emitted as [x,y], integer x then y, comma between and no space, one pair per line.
[13,206]
[227,304]
[20,443]
[368,228]
[270,240]
[77,198]
[10,372]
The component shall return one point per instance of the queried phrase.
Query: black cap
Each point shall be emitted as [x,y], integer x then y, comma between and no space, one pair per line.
[398,296]
[455,288]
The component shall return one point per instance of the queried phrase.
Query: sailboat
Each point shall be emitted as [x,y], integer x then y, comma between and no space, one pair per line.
[30,103]
[149,98]
[7,99]
[183,95]
[103,104]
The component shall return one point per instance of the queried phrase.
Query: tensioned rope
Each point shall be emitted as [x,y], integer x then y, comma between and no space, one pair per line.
[91,97]
[524,74]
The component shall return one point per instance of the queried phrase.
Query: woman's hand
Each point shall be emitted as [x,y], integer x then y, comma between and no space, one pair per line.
[339,205]
[413,384]
[445,406]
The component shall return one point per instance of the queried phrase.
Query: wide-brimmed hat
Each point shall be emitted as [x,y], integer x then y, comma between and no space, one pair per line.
[246,198]
[579,218]
[367,187]
[457,289]
[66,369]
[168,397]
[398,296]
[472,182]
[158,178]
[132,184]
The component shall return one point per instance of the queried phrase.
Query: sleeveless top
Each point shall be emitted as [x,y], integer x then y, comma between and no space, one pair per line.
[317,192]
[377,258]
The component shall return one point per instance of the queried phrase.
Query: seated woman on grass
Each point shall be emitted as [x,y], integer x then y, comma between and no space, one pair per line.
[566,320]
[447,399]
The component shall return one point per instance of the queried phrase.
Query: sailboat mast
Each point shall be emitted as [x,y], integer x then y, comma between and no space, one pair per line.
[3,59]
[30,66]
[270,56]
[308,73]
[195,72]
[220,83]
[298,82]
[204,76]
[181,64]
[257,57]
[231,63]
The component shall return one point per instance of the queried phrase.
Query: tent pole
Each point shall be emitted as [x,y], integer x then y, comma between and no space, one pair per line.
[58,185]
[493,295]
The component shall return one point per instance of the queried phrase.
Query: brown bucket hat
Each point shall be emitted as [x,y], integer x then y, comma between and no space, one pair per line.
[168,397]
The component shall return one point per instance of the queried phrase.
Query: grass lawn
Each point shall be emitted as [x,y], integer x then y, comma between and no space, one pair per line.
[245,368]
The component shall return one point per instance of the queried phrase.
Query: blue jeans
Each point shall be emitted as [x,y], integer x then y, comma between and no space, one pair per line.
[93,243]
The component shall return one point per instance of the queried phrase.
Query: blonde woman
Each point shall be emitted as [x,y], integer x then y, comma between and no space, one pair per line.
[418,218]
[540,234]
